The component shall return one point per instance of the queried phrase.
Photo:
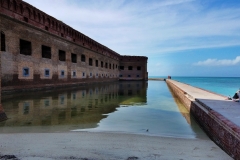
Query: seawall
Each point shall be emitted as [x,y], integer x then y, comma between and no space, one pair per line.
[219,118]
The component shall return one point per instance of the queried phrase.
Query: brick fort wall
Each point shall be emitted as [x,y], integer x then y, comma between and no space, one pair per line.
[40,51]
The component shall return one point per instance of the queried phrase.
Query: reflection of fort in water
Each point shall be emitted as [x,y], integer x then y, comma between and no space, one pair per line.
[84,106]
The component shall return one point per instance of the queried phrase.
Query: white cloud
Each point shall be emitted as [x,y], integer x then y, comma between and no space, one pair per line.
[216,62]
[141,27]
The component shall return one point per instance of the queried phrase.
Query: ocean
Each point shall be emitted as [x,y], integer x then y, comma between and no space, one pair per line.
[226,86]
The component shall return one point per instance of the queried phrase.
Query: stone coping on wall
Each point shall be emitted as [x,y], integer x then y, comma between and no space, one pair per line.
[212,101]
[220,118]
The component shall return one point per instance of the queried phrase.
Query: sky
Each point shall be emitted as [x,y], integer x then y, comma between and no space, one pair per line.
[179,37]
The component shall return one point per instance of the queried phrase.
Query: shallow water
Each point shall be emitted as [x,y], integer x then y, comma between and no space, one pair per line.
[128,107]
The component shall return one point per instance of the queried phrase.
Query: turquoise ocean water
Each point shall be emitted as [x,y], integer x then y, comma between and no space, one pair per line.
[221,85]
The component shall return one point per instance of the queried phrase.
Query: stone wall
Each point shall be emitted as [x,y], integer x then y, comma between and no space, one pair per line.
[27,13]
[133,68]
[27,31]
[222,131]
[12,75]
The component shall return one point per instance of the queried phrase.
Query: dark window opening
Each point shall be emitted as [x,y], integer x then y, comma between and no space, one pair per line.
[120,75]
[25,47]
[106,65]
[83,74]
[138,67]
[121,67]
[47,73]
[121,93]
[138,92]
[46,52]
[113,66]
[25,72]
[102,64]
[129,75]
[46,103]
[62,101]
[46,28]
[137,75]
[74,74]
[25,19]
[110,66]
[130,92]
[82,109]
[26,107]
[74,58]
[96,63]
[62,35]
[90,61]
[130,67]
[62,55]
[3,43]
[74,95]
[83,58]
[62,73]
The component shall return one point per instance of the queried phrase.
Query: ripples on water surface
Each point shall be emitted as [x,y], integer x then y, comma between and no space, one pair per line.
[129,107]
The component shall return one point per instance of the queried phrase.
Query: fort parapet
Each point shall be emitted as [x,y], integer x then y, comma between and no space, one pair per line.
[25,12]
[40,51]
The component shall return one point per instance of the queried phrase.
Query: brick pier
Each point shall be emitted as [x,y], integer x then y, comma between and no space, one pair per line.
[219,118]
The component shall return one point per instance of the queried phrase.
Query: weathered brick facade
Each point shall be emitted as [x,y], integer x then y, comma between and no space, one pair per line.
[133,68]
[40,51]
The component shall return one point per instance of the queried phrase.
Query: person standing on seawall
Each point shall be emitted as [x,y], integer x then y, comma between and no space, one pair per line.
[235,97]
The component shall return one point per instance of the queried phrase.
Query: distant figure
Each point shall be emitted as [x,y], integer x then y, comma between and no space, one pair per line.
[235,96]
[147,130]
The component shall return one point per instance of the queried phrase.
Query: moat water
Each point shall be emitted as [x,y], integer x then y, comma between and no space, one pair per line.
[127,107]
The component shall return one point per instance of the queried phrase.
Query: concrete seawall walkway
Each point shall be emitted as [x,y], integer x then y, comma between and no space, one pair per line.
[227,108]
[220,118]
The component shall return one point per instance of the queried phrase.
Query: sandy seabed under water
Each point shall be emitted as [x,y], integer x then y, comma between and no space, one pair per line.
[105,145]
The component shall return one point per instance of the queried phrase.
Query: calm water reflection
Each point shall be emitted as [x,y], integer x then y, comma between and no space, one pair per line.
[131,107]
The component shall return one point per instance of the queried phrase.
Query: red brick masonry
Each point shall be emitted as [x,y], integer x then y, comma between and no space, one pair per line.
[221,130]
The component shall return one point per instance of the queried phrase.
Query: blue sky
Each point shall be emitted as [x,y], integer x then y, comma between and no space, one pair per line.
[179,37]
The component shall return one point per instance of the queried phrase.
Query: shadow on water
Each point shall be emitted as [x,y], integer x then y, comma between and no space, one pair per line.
[68,109]
[189,118]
